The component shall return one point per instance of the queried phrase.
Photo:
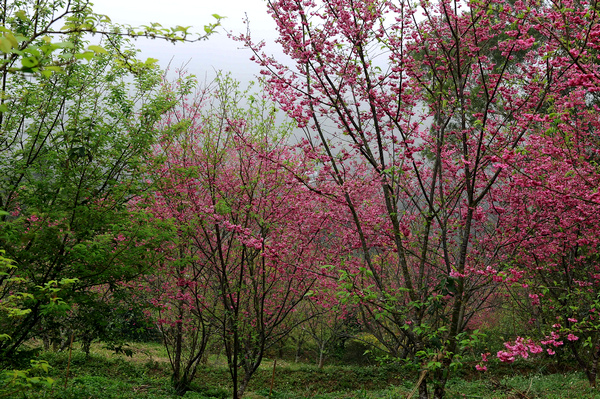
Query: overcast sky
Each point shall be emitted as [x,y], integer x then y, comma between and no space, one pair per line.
[218,53]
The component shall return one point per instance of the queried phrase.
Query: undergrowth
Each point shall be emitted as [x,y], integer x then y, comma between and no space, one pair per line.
[146,376]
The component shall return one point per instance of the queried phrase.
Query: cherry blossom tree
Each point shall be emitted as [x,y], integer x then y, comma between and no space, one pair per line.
[252,233]
[181,301]
[550,230]
[432,100]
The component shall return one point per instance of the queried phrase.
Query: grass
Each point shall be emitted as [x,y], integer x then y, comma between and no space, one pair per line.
[146,375]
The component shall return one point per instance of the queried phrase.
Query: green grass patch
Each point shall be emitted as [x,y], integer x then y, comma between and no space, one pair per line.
[147,375]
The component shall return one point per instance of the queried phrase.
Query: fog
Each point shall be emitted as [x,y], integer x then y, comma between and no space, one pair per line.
[205,57]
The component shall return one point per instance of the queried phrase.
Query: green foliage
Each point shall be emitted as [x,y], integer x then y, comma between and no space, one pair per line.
[364,349]
[18,380]
[51,289]
[73,149]
[12,305]
[41,38]
[14,381]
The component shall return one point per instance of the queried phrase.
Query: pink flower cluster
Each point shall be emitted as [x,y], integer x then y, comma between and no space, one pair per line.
[484,359]
[553,340]
[521,347]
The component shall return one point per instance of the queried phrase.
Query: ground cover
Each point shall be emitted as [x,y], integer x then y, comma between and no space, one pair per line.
[146,375]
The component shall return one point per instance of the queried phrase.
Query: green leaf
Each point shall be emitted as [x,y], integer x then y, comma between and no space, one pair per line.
[88,55]
[53,68]
[180,28]
[5,45]
[3,108]
[64,45]
[29,62]
[12,39]
[21,15]
[222,208]
[97,49]
[44,366]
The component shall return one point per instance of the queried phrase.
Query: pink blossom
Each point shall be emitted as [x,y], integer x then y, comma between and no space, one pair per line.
[505,357]
[454,273]
[535,299]
[533,348]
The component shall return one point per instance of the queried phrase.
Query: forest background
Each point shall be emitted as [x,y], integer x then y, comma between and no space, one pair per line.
[441,209]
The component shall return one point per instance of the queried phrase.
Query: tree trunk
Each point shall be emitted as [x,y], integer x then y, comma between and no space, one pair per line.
[299,343]
[177,358]
[243,385]
[593,371]
[181,385]
[590,369]
[321,356]
[86,344]
[46,341]
[423,389]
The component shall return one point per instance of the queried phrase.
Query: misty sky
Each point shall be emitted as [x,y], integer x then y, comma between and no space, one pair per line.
[218,53]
